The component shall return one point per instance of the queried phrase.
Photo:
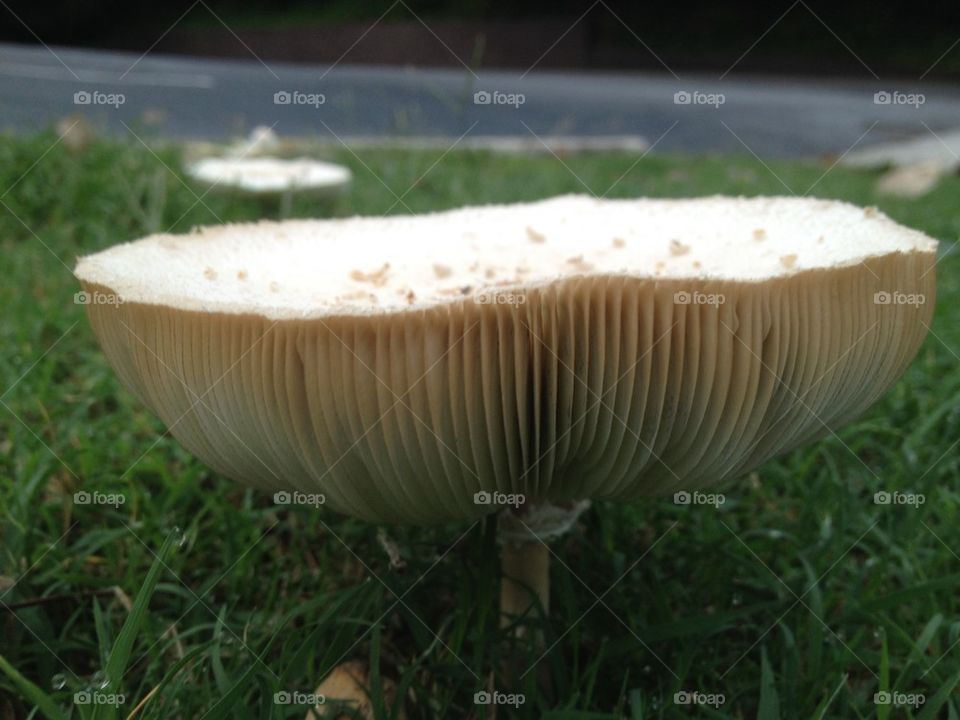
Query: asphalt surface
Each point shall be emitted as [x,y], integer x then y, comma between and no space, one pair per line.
[191,98]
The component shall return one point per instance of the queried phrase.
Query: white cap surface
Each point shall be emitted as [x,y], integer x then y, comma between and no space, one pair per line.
[370,265]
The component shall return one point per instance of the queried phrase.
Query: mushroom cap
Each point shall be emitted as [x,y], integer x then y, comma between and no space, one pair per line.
[267,175]
[418,368]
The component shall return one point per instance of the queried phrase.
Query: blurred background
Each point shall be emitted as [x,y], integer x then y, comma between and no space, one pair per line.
[901,38]
[793,79]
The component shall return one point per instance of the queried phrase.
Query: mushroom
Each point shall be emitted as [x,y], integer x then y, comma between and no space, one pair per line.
[528,396]
[270,177]
[343,694]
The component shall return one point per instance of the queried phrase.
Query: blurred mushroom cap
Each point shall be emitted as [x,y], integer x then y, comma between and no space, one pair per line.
[267,175]
[432,367]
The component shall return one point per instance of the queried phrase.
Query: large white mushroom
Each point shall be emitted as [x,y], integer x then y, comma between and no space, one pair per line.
[426,368]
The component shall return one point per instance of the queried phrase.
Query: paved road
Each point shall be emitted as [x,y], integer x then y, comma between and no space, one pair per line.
[219,98]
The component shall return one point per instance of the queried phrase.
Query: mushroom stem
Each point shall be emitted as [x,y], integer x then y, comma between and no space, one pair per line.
[523,534]
[524,590]
[525,581]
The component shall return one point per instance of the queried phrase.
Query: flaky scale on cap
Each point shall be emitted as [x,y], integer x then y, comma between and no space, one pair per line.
[342,363]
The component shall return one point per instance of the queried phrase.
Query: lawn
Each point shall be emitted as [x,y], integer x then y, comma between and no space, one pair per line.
[799,597]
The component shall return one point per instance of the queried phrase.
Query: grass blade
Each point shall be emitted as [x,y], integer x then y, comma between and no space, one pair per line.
[38,697]
[821,712]
[223,708]
[120,654]
[926,637]
[883,711]
[932,706]
[769,707]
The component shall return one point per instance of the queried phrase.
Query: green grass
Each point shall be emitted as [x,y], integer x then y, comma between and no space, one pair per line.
[252,599]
